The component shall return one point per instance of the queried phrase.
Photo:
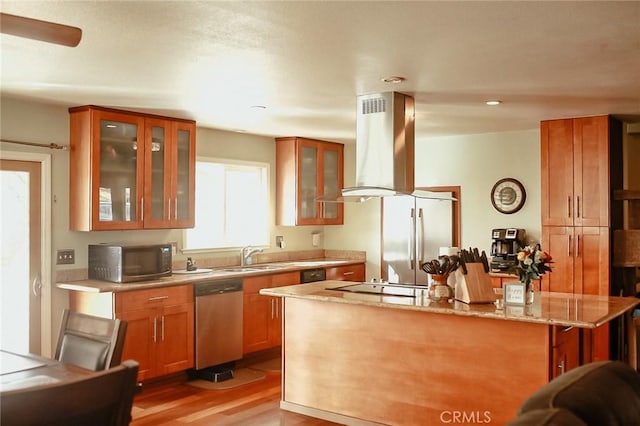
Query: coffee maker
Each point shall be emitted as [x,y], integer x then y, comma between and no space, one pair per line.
[504,247]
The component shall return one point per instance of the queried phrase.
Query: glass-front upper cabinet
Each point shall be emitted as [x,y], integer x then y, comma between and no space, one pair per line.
[124,169]
[169,200]
[308,170]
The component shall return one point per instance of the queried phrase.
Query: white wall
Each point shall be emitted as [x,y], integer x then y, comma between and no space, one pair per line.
[473,162]
[476,163]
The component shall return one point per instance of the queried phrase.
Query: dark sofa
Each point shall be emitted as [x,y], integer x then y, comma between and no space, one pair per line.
[605,393]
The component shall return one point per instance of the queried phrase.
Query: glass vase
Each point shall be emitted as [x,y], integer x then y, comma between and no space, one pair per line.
[531,294]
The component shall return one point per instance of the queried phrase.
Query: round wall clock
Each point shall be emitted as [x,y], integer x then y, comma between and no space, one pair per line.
[508,195]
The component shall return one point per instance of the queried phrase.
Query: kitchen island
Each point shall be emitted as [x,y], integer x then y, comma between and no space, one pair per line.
[357,358]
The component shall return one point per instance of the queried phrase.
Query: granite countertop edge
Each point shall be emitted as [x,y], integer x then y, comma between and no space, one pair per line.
[615,306]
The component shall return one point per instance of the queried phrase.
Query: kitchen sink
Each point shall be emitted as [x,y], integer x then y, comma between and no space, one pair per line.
[265,267]
[252,268]
[240,269]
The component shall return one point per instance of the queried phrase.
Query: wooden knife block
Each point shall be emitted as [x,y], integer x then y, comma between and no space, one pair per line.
[474,286]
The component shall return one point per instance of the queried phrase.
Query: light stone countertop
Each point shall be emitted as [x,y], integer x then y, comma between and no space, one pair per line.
[97,286]
[563,309]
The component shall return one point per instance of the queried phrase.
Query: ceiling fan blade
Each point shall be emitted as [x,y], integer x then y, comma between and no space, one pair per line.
[40,30]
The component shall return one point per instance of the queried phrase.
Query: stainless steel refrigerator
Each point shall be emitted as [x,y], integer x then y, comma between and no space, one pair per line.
[413,230]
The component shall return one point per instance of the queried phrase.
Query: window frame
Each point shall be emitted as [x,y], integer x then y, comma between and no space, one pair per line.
[267,189]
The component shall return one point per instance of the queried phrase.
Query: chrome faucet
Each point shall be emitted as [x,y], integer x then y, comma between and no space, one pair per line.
[246,253]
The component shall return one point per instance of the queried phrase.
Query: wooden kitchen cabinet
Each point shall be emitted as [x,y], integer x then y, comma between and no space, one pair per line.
[565,350]
[130,170]
[580,259]
[307,169]
[262,315]
[577,157]
[581,266]
[160,329]
[347,273]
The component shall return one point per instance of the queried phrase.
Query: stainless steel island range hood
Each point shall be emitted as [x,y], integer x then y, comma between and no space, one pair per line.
[385,136]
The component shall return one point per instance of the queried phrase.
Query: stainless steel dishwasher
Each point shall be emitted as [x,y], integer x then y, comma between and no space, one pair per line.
[218,323]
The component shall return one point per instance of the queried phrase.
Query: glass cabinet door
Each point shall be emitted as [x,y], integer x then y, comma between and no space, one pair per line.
[331,180]
[157,150]
[119,168]
[308,191]
[183,202]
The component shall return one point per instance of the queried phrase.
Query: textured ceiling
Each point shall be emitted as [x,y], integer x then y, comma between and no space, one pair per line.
[307,61]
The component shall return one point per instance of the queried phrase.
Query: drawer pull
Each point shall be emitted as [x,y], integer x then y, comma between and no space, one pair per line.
[564,330]
[348,273]
[154,299]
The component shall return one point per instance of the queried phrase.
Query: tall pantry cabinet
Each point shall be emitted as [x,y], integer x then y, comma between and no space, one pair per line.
[581,164]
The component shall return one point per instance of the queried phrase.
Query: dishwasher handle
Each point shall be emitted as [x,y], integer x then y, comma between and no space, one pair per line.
[217,287]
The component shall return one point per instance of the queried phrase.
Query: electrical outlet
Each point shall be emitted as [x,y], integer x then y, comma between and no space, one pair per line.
[279,241]
[66,257]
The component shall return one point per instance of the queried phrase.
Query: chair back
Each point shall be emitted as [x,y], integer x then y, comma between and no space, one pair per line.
[103,398]
[91,342]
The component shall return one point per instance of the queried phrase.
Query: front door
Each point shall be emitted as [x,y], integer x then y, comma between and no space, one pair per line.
[21,255]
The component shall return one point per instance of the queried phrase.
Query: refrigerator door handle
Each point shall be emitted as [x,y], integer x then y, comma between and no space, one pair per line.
[412,239]
[420,238]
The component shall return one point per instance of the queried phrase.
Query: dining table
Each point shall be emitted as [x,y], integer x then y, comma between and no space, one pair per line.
[20,371]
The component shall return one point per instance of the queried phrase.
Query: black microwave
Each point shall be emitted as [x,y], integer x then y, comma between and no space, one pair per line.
[122,263]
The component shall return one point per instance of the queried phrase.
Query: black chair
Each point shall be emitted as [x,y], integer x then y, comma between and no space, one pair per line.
[90,342]
[103,398]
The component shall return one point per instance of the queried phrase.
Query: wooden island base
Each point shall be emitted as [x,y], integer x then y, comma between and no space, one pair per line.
[395,366]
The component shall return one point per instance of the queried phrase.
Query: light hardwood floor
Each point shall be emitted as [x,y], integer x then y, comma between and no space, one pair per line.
[175,403]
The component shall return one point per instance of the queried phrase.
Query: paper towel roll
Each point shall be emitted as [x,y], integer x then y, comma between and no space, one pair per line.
[448,251]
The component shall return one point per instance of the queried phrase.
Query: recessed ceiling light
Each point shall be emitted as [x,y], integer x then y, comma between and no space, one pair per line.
[493,102]
[393,79]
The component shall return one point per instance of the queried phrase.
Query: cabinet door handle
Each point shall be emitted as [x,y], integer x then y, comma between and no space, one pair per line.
[142,208]
[277,308]
[156,298]
[155,334]
[569,206]
[578,206]
[162,327]
[561,367]
[169,212]
[175,208]
[578,246]
[569,247]
[564,330]
[271,308]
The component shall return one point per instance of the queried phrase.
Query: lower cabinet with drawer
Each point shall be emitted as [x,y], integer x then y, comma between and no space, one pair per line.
[160,329]
[262,315]
[565,350]
[347,273]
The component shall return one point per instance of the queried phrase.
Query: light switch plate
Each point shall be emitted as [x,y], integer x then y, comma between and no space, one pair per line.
[66,257]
